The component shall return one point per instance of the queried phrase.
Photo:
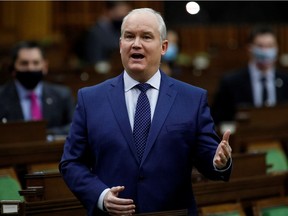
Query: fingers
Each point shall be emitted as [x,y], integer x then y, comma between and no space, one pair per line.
[225,147]
[226,136]
[223,152]
[220,160]
[118,206]
[117,190]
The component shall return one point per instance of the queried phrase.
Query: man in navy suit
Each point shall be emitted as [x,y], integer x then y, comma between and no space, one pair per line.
[55,102]
[259,84]
[101,163]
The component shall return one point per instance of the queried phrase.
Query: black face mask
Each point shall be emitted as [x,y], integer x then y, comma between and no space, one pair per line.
[29,79]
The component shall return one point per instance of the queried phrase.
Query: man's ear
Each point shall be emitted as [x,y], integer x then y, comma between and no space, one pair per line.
[120,45]
[164,47]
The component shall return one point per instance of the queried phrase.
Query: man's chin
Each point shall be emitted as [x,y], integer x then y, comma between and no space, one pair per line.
[137,69]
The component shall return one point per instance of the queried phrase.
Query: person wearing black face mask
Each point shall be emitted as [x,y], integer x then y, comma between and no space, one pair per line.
[29,79]
[102,40]
[259,84]
[28,97]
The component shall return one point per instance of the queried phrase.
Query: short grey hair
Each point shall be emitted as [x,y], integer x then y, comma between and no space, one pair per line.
[162,25]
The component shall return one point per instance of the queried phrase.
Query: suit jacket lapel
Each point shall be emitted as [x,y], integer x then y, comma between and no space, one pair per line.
[279,84]
[165,100]
[248,87]
[117,100]
[45,107]
[13,103]
[48,101]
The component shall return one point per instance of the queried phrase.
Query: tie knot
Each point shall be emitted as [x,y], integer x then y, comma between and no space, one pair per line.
[143,87]
[32,95]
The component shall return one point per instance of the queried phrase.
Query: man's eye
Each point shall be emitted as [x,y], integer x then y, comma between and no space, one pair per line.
[147,37]
[128,36]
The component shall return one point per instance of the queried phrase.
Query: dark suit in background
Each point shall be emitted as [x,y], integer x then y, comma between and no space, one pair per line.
[235,91]
[57,106]
[258,84]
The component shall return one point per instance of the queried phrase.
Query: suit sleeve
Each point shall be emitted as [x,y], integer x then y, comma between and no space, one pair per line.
[76,159]
[207,143]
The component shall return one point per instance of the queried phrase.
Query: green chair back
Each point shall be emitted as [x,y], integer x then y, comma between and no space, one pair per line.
[9,188]
[277,159]
[275,211]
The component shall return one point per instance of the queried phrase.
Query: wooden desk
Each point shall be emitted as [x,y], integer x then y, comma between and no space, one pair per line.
[22,132]
[23,143]
[248,182]
[240,190]
[260,124]
[13,154]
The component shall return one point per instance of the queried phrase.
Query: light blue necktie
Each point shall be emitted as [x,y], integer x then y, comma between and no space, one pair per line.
[142,120]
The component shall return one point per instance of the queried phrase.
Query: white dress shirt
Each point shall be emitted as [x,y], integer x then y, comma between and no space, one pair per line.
[256,84]
[131,97]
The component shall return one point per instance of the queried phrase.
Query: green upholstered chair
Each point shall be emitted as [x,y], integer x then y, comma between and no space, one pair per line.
[280,210]
[276,206]
[9,188]
[276,158]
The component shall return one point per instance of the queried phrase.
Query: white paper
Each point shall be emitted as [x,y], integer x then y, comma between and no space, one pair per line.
[9,208]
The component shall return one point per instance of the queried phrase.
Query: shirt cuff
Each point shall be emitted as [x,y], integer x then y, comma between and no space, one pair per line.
[228,165]
[100,203]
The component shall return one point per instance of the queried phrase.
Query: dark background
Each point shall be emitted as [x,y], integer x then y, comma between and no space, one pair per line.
[227,12]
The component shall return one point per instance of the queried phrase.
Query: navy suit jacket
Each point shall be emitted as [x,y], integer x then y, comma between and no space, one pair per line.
[100,153]
[235,91]
[57,104]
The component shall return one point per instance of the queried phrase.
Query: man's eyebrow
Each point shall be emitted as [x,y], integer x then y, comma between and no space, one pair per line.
[128,32]
[143,32]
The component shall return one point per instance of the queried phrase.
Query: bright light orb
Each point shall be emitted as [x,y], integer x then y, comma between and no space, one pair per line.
[192,8]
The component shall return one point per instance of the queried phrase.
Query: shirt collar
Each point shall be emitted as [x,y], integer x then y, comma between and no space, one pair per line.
[23,92]
[154,81]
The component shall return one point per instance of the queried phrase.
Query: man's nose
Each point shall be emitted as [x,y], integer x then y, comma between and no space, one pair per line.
[137,42]
[31,67]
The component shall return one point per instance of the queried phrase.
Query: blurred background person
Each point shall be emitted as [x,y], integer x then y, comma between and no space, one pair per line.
[259,84]
[27,97]
[102,40]
[168,61]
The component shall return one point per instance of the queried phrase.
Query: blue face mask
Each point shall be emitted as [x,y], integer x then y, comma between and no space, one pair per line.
[264,56]
[171,53]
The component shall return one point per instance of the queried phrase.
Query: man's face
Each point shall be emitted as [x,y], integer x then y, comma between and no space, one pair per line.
[265,41]
[264,51]
[140,46]
[30,59]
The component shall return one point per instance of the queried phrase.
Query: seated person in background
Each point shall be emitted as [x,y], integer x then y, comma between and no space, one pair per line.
[27,97]
[259,84]
[102,40]
[169,59]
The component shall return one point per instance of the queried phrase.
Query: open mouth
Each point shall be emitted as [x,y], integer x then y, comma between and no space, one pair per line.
[137,56]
